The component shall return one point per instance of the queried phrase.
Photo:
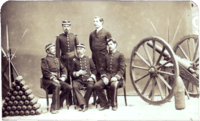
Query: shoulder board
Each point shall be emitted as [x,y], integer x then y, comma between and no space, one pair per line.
[74,59]
[74,34]
[44,57]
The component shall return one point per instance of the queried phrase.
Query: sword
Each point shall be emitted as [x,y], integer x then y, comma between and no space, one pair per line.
[8,55]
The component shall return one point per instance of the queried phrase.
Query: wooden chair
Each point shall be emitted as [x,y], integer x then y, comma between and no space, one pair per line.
[123,86]
[48,92]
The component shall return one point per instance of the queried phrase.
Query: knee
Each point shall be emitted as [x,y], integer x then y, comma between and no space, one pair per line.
[90,87]
[96,86]
[114,84]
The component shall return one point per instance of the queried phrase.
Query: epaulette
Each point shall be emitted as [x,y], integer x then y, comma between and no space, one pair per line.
[74,34]
[43,57]
[74,59]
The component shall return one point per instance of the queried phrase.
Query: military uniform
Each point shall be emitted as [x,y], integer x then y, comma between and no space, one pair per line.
[83,63]
[53,68]
[65,43]
[113,66]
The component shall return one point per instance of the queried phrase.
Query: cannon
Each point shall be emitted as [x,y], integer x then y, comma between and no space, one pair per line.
[154,67]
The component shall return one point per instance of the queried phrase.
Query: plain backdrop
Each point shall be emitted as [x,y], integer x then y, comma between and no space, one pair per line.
[127,21]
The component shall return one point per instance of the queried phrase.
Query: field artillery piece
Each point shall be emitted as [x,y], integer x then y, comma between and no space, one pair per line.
[159,68]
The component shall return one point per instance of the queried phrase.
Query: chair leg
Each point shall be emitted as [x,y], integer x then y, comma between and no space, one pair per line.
[47,100]
[125,96]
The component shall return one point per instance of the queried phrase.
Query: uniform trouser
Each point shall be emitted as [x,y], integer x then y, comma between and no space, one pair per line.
[67,62]
[57,100]
[99,88]
[98,77]
[77,84]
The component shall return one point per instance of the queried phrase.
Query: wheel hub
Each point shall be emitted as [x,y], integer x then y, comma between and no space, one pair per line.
[153,71]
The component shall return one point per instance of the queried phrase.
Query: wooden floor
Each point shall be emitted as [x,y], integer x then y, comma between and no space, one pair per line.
[137,109]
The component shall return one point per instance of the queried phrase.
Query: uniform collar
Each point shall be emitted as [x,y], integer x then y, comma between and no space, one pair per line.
[81,56]
[112,52]
[50,55]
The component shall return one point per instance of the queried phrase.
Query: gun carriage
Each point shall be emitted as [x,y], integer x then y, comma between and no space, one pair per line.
[154,68]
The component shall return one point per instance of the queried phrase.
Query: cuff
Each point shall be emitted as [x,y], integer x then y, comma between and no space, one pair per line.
[93,77]
[52,77]
[118,77]
[103,75]
[75,74]
[63,75]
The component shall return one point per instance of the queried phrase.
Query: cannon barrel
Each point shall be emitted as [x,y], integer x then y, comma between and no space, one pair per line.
[184,62]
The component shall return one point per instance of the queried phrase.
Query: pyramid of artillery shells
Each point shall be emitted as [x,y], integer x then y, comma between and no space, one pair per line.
[20,100]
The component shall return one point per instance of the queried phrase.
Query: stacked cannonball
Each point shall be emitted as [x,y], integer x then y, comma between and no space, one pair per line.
[20,100]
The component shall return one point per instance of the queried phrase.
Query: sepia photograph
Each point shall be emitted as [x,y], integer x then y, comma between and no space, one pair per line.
[100,60]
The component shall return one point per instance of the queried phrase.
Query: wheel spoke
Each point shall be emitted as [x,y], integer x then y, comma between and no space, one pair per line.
[147,84]
[164,64]
[142,58]
[141,78]
[183,52]
[196,51]
[147,53]
[153,89]
[163,72]
[188,43]
[160,88]
[160,56]
[138,67]
[163,80]
[154,52]
[166,91]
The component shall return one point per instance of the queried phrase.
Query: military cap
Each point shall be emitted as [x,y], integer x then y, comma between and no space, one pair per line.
[48,46]
[111,39]
[80,45]
[66,22]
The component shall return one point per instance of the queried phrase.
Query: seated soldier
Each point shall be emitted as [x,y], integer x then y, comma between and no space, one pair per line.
[83,74]
[54,75]
[112,72]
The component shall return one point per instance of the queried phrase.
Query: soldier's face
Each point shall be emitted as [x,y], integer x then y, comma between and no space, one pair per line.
[80,50]
[66,27]
[97,23]
[111,45]
[52,50]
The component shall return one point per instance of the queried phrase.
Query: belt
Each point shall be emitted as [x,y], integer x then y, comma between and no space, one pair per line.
[68,54]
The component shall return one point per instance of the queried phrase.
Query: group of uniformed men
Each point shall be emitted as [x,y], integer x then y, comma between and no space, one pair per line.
[67,59]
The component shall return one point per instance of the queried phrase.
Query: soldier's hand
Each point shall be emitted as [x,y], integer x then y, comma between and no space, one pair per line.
[55,80]
[105,80]
[90,79]
[62,78]
[113,79]
[82,72]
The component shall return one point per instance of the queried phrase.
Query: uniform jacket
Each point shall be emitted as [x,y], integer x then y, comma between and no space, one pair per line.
[84,63]
[66,43]
[114,65]
[52,67]
[98,46]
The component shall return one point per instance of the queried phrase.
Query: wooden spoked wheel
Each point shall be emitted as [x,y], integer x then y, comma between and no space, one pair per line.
[188,48]
[148,79]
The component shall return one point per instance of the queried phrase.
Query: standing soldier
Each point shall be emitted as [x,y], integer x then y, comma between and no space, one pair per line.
[54,75]
[66,44]
[83,74]
[97,40]
[112,72]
